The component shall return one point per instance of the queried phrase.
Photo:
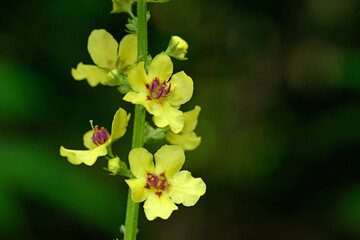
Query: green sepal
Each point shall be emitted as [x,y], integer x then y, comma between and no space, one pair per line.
[148,15]
[124,171]
[154,134]
[131,25]
[148,61]
[118,80]
[170,49]
[178,58]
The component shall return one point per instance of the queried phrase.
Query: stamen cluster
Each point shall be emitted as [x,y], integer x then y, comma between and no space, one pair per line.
[157,89]
[100,137]
[159,183]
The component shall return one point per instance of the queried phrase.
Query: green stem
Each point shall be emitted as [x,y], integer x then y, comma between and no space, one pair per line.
[139,126]
[142,30]
[132,210]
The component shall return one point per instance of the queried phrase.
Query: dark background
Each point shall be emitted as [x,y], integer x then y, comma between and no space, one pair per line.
[278,83]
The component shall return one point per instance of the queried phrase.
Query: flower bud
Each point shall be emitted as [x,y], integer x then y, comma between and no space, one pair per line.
[114,165]
[177,48]
[122,6]
[113,78]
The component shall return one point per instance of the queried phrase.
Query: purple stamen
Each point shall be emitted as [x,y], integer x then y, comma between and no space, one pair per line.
[100,137]
[157,182]
[158,90]
[154,85]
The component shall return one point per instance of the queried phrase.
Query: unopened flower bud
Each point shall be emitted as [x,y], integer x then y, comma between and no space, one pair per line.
[112,78]
[177,48]
[114,165]
[122,6]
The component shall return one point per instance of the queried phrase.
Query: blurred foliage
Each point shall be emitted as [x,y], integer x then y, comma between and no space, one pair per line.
[278,83]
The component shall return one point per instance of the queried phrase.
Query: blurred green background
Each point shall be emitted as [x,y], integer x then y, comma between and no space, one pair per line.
[278,82]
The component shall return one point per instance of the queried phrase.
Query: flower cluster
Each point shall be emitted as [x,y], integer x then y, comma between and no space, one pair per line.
[154,86]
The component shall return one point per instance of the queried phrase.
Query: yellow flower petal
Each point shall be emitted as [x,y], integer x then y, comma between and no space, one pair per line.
[138,191]
[88,157]
[70,157]
[182,88]
[156,206]
[169,115]
[141,162]
[136,98]
[103,48]
[88,143]
[169,159]
[119,124]
[128,50]
[91,73]
[185,189]
[114,165]
[160,67]
[138,79]
[187,141]
[191,120]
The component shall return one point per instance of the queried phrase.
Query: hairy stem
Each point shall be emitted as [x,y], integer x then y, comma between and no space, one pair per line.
[132,210]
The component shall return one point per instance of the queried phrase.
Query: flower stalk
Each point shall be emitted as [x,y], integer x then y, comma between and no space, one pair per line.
[132,210]
[150,84]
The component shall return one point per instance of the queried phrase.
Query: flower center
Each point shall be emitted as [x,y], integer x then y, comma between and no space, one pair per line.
[100,137]
[159,183]
[158,90]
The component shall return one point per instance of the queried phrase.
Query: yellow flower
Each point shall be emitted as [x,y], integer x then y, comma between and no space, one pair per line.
[107,55]
[177,48]
[187,138]
[97,141]
[164,184]
[159,95]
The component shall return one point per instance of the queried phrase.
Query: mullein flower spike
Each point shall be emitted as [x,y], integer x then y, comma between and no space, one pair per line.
[108,56]
[186,138]
[163,184]
[160,95]
[97,141]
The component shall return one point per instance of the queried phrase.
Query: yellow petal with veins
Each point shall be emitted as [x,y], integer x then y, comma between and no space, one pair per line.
[160,67]
[185,189]
[128,50]
[158,206]
[187,141]
[88,142]
[103,48]
[88,157]
[119,124]
[182,88]
[138,79]
[136,98]
[141,162]
[168,115]
[191,120]
[91,73]
[138,191]
[169,160]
